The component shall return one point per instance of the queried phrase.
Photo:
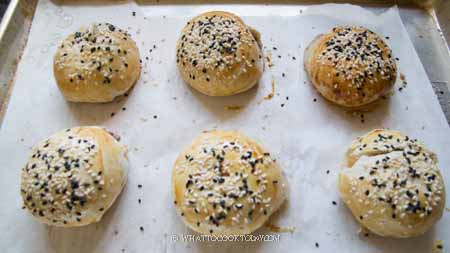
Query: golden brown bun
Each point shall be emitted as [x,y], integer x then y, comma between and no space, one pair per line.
[392,185]
[218,55]
[225,183]
[96,64]
[350,66]
[74,176]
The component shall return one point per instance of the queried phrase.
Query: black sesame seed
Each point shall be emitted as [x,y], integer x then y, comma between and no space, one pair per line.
[74,184]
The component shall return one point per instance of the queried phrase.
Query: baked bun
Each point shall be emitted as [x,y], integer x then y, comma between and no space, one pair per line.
[393,185]
[351,66]
[218,55]
[225,183]
[96,64]
[74,176]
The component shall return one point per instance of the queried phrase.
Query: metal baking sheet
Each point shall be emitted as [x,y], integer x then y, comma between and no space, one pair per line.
[162,114]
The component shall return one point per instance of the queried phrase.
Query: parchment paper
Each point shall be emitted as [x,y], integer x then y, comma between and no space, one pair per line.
[307,134]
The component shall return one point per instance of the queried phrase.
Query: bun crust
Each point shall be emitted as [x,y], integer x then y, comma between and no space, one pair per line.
[74,176]
[96,64]
[218,55]
[224,183]
[393,185]
[350,66]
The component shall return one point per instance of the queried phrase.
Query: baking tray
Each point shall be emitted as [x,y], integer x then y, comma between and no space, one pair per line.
[150,164]
[427,23]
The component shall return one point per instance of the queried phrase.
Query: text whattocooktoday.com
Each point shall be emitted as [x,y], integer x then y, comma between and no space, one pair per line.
[225,238]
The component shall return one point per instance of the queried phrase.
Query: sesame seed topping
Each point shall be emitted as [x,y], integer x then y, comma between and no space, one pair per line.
[214,42]
[94,50]
[58,179]
[403,176]
[359,56]
[226,181]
